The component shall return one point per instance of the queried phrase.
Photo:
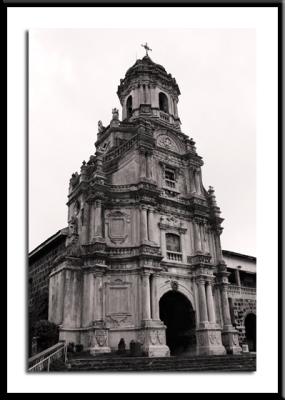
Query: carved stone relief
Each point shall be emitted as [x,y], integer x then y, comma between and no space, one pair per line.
[118,226]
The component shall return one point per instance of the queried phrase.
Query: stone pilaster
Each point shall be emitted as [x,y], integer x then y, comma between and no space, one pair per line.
[210,303]
[145,297]
[142,164]
[85,223]
[67,304]
[202,302]
[153,339]
[154,299]
[143,225]
[151,226]
[229,333]
[162,242]
[197,237]
[98,220]
[197,181]
[148,165]
[237,276]
[88,299]
[208,333]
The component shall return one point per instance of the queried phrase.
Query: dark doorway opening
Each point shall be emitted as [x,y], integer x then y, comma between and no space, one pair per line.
[177,313]
[250,331]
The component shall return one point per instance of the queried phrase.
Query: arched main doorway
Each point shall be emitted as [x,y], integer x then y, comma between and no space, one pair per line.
[250,331]
[177,313]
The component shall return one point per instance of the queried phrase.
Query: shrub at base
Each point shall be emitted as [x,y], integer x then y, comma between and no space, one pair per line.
[47,334]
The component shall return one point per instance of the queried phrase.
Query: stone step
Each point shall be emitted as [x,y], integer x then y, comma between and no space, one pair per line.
[195,363]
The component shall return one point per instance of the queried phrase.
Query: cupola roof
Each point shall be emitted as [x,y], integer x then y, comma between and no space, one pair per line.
[147,67]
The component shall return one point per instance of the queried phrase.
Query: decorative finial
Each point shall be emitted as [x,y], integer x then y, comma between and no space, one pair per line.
[147,48]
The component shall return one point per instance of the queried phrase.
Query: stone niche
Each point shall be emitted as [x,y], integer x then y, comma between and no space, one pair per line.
[118,304]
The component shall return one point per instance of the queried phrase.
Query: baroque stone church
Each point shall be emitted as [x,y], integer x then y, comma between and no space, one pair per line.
[143,258]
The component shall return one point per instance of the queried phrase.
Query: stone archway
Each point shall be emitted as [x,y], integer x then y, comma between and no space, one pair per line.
[177,313]
[250,331]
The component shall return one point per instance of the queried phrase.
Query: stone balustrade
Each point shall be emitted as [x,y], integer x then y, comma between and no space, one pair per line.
[164,116]
[121,149]
[241,291]
[173,256]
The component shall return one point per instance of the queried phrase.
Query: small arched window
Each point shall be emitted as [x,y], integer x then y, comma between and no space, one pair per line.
[173,242]
[163,102]
[129,106]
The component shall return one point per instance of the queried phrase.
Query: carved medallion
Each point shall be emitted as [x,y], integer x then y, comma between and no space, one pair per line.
[167,143]
[101,337]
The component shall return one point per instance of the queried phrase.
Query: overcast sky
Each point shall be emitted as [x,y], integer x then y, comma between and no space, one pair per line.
[73,79]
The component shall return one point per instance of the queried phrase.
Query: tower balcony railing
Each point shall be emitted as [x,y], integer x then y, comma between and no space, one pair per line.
[174,256]
[169,183]
[236,290]
[164,116]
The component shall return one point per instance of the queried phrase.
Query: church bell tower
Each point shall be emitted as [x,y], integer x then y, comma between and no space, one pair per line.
[143,259]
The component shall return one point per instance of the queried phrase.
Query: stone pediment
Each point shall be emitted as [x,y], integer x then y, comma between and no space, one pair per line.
[166,140]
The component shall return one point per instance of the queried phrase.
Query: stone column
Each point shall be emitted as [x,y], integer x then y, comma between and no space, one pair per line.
[145,297]
[225,305]
[197,237]
[210,303]
[151,226]
[143,223]
[154,300]
[98,219]
[237,276]
[202,301]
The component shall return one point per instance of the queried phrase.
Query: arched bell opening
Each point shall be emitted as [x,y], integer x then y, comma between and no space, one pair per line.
[163,102]
[129,106]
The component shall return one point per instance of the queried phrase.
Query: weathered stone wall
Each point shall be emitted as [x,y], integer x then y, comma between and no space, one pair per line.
[241,307]
[39,270]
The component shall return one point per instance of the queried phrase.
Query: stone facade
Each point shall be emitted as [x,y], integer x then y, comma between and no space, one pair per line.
[143,244]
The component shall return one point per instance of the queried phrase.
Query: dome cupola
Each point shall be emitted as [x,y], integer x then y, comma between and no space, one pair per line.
[149,90]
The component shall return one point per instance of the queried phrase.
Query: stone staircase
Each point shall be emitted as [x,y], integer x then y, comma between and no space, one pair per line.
[242,362]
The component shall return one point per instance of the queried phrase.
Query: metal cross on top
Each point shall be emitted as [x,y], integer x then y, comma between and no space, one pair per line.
[146,48]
